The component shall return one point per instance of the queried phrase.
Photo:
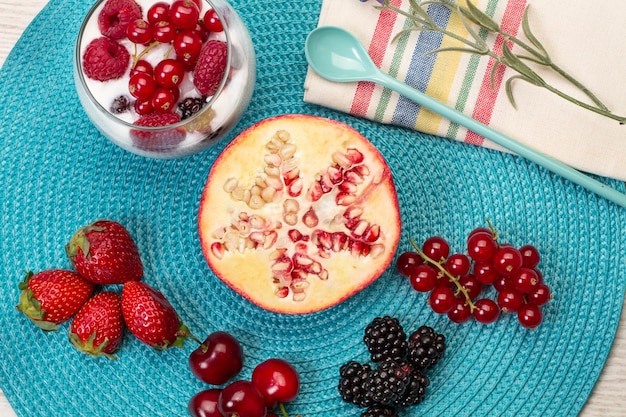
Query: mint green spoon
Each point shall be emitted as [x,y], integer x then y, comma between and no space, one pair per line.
[338,56]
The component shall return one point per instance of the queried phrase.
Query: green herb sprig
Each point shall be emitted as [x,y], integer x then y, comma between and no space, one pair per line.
[475,20]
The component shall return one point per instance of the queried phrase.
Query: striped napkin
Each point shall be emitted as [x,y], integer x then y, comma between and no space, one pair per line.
[584,39]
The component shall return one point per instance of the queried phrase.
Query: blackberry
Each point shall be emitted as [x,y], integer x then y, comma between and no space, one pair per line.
[387,383]
[385,339]
[190,106]
[415,391]
[380,411]
[352,383]
[120,104]
[425,347]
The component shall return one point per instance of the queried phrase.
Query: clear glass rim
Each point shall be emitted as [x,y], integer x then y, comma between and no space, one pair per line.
[80,73]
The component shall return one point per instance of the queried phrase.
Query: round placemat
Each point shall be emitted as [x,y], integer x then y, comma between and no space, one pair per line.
[58,173]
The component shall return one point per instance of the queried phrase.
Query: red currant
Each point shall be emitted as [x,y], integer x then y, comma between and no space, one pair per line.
[423,278]
[187,45]
[442,300]
[485,273]
[241,399]
[502,283]
[169,73]
[539,295]
[158,12]
[510,300]
[141,86]
[486,311]
[277,380]
[184,14]
[163,31]
[163,100]
[525,280]
[143,107]
[458,264]
[142,66]
[480,230]
[139,31]
[471,284]
[436,248]
[218,359]
[204,403]
[461,312]
[507,260]
[530,316]
[530,256]
[212,21]
[481,246]
[407,263]
[198,3]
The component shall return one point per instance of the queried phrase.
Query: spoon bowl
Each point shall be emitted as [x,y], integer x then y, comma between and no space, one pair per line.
[337,55]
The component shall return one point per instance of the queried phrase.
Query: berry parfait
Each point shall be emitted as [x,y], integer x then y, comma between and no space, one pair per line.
[164,79]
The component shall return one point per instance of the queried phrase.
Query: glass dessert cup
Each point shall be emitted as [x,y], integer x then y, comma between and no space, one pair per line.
[219,114]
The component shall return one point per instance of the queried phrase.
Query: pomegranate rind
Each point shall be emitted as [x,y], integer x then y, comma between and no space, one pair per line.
[249,270]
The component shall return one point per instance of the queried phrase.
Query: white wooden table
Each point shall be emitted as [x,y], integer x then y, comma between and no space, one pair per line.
[609,396]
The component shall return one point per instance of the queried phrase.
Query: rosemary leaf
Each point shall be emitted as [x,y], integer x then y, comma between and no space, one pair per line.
[479,17]
[533,39]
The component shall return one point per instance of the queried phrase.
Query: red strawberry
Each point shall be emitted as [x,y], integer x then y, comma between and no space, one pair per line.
[51,297]
[151,318]
[210,68]
[105,253]
[105,59]
[115,17]
[98,327]
[158,140]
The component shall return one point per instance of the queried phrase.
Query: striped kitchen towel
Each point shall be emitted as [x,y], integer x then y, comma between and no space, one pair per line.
[583,38]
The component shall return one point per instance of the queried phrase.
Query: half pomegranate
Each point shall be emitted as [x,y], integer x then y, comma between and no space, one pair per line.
[299,213]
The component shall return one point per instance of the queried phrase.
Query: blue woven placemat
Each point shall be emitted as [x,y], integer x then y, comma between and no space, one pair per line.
[57,174]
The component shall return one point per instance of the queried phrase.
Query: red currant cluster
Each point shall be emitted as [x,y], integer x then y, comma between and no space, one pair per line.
[218,360]
[456,281]
[182,27]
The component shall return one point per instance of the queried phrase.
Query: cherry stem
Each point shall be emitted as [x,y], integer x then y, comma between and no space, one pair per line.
[137,57]
[283,411]
[460,288]
[494,232]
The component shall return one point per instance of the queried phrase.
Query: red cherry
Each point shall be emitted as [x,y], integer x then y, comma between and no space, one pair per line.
[277,381]
[486,311]
[158,12]
[241,399]
[212,21]
[204,403]
[423,278]
[436,248]
[184,14]
[442,300]
[218,359]
[530,316]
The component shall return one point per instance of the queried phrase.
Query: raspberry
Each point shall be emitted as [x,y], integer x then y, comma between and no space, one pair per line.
[115,17]
[380,411]
[209,71]
[385,339]
[386,384]
[351,384]
[105,59]
[158,140]
[425,347]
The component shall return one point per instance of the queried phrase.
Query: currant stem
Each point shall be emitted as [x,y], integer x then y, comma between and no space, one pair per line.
[442,269]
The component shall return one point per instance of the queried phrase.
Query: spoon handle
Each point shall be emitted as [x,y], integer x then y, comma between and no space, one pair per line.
[501,139]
